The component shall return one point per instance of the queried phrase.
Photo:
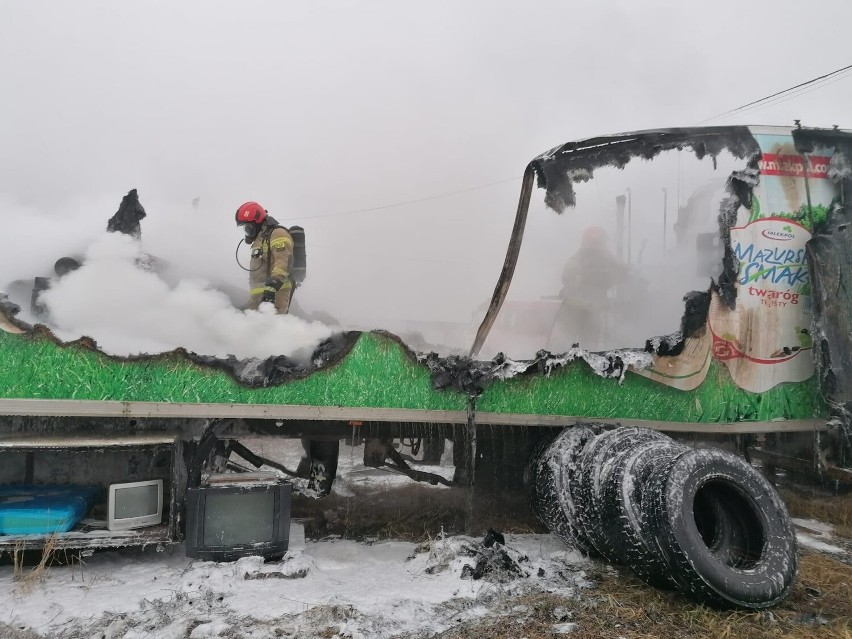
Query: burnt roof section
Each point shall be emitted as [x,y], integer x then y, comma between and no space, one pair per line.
[558,169]
[806,140]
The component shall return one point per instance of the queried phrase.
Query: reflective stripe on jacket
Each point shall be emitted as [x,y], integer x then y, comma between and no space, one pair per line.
[271,257]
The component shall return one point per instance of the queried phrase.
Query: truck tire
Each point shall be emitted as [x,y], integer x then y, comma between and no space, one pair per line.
[598,460]
[724,531]
[555,472]
[543,497]
[537,489]
[622,505]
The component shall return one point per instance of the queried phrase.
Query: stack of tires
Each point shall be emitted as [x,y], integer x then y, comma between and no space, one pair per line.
[703,521]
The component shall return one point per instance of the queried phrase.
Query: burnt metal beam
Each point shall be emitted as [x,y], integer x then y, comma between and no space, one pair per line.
[509,263]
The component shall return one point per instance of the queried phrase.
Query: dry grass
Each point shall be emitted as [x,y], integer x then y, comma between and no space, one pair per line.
[621,606]
[835,510]
[417,512]
[26,580]
[413,513]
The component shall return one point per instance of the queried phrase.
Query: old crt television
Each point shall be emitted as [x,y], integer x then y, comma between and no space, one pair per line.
[135,504]
[238,515]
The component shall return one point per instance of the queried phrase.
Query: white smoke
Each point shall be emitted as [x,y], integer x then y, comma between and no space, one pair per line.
[35,237]
[129,310]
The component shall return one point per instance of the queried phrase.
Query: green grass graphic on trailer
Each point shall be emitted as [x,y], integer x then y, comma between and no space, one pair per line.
[377,373]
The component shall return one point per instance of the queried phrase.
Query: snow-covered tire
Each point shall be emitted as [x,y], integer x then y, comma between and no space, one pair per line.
[724,532]
[598,459]
[622,502]
[533,480]
[556,473]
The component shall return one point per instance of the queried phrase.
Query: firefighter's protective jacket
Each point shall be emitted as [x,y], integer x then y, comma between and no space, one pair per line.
[271,261]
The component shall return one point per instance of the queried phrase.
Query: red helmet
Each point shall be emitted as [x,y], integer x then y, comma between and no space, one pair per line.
[593,236]
[251,212]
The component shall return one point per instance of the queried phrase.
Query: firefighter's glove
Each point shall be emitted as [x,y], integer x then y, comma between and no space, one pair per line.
[273,284]
[270,289]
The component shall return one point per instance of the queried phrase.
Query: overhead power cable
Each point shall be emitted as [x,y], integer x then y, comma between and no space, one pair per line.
[407,202]
[775,98]
[792,96]
[779,94]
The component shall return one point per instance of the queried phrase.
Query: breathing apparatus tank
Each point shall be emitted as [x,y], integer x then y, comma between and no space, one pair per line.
[299,270]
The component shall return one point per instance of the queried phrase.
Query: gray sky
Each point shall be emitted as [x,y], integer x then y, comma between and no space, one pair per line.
[316,109]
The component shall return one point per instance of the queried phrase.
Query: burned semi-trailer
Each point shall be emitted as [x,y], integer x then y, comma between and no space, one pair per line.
[761,359]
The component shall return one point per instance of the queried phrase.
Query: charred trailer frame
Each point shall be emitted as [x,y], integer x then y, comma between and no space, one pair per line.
[370,388]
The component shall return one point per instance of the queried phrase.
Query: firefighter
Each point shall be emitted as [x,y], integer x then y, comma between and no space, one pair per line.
[271,264]
[589,278]
[271,279]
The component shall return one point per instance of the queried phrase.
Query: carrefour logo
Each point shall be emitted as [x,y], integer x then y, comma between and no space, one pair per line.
[784,235]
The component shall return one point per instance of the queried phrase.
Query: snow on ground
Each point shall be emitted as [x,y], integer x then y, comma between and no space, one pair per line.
[355,589]
[332,587]
[817,535]
[815,544]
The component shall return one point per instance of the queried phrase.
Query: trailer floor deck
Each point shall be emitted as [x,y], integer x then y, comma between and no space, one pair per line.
[84,536]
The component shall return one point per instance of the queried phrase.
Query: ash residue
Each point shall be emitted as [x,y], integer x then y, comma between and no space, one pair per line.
[472,377]
[497,564]
[469,376]
[460,373]
[490,559]
[611,364]
[666,345]
[273,371]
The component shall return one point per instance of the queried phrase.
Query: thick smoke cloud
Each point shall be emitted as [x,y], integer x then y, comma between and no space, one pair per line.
[34,237]
[130,310]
